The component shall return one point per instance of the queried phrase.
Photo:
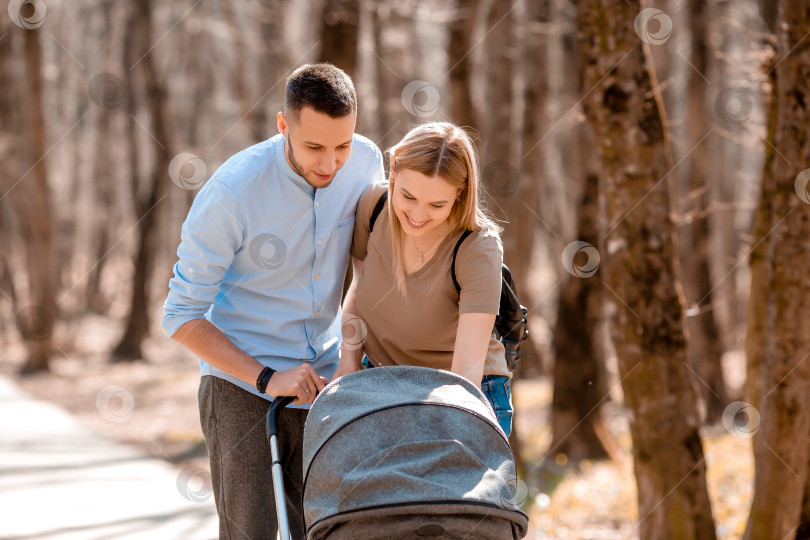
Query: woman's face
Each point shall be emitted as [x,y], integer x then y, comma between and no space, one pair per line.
[422,203]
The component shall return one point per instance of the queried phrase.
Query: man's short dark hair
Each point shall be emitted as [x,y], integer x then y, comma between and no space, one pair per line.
[324,87]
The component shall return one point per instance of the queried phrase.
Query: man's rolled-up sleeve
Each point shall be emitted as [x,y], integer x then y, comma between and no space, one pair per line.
[212,233]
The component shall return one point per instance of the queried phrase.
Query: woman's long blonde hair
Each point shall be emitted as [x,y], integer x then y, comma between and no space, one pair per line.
[438,149]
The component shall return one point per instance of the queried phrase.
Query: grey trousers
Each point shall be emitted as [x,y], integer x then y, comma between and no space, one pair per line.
[233,423]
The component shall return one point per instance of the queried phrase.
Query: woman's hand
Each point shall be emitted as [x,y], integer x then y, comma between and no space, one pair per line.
[349,363]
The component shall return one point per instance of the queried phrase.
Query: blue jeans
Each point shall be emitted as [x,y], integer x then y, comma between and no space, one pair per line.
[498,390]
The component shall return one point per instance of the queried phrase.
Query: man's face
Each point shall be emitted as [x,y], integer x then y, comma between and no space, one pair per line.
[316,145]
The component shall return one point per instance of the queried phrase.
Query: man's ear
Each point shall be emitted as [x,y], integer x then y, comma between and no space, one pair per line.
[281,123]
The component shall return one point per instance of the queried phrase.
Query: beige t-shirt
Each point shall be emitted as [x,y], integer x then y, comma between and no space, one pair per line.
[421,330]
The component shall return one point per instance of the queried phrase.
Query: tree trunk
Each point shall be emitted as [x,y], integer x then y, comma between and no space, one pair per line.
[577,428]
[395,66]
[759,260]
[516,189]
[500,163]
[462,109]
[238,75]
[33,201]
[705,348]
[137,326]
[782,446]
[380,13]
[499,174]
[339,34]
[274,62]
[103,171]
[11,162]
[640,268]
[500,156]
[770,13]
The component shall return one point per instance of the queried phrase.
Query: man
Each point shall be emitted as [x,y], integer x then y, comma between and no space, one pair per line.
[256,291]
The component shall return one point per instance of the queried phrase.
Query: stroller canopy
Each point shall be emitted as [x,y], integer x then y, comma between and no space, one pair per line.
[408,452]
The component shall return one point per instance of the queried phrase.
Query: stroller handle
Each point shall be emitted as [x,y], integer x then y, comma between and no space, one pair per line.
[278,476]
[272,415]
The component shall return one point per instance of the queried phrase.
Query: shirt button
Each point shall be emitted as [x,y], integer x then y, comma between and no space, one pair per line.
[317,276]
[320,242]
[317,204]
[317,313]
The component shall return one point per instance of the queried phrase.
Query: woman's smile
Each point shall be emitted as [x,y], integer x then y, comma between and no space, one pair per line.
[415,224]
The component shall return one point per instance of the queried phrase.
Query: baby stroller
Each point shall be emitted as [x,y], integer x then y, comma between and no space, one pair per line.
[407,453]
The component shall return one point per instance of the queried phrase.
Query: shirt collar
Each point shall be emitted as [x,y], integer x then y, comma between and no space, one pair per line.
[289,172]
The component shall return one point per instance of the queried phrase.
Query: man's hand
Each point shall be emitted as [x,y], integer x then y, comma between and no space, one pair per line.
[302,381]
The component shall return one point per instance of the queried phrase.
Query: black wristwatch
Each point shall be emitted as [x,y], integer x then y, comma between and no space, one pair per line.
[264,378]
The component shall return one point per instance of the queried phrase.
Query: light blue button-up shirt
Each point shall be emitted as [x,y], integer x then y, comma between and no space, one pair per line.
[263,255]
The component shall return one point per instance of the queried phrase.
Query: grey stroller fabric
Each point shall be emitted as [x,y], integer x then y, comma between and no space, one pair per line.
[408,452]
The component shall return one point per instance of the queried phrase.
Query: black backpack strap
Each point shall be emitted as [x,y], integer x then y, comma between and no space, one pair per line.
[377,209]
[455,252]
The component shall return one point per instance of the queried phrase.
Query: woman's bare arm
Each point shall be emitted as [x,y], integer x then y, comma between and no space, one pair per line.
[354,330]
[472,343]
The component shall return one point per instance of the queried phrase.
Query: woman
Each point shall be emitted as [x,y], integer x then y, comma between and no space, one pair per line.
[402,298]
